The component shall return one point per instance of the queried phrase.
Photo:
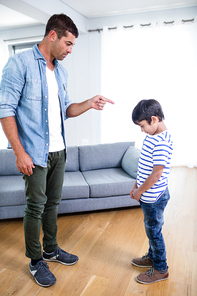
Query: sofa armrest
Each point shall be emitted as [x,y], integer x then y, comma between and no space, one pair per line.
[8,163]
[130,161]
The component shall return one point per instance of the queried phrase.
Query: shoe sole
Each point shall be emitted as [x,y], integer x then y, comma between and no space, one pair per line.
[148,283]
[141,265]
[55,260]
[45,286]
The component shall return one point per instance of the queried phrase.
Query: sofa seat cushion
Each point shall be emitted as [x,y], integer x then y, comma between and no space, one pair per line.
[12,190]
[74,186]
[108,182]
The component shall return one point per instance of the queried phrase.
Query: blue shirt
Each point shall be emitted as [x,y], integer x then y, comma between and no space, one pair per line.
[24,94]
[156,150]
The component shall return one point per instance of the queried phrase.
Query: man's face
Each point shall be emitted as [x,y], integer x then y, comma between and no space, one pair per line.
[62,47]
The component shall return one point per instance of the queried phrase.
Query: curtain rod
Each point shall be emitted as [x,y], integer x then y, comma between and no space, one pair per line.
[143,25]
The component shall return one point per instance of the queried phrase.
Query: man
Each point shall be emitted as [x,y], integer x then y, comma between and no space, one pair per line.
[34,102]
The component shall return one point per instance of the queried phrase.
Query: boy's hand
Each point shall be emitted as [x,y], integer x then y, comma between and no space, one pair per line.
[149,182]
[135,194]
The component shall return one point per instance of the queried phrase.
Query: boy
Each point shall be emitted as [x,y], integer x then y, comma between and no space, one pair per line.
[151,187]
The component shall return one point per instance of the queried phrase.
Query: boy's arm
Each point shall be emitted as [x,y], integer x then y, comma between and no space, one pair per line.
[149,182]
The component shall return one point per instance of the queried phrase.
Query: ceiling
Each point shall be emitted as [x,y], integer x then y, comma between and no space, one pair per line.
[100,8]
[10,18]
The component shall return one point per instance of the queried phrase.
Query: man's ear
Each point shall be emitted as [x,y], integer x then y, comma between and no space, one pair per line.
[52,35]
[154,119]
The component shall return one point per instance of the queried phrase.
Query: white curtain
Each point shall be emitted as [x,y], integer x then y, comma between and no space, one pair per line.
[157,62]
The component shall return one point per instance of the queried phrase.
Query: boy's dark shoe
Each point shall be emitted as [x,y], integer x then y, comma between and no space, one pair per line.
[144,261]
[152,276]
[60,256]
[42,274]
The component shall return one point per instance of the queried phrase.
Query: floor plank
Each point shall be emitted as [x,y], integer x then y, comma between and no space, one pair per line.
[106,242]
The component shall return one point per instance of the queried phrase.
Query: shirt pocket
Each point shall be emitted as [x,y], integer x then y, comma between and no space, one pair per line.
[33,89]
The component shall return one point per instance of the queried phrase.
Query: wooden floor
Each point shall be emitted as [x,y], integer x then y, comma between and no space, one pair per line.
[105,243]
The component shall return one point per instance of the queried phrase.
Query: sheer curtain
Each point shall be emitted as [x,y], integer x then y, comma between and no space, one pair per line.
[157,62]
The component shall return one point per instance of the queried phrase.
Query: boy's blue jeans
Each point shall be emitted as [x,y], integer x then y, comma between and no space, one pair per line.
[43,195]
[153,221]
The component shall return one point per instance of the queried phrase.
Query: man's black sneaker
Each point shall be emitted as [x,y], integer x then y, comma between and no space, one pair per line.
[42,274]
[60,256]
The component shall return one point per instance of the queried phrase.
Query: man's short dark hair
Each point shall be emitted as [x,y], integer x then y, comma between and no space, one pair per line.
[145,109]
[61,24]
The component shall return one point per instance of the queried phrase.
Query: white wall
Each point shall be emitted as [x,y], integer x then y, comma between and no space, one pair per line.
[84,63]
[83,66]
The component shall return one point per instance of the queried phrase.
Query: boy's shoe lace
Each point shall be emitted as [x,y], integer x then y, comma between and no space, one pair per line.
[152,276]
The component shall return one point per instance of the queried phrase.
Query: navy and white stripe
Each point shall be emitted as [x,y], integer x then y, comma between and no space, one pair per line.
[156,150]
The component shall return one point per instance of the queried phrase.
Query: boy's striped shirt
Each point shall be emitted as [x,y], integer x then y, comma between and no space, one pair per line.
[156,150]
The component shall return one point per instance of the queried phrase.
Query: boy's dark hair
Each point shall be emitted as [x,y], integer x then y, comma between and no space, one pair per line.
[145,109]
[61,24]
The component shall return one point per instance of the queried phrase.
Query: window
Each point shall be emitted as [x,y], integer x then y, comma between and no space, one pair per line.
[21,47]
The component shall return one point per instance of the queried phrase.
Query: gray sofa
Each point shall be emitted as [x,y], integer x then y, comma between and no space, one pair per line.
[97,177]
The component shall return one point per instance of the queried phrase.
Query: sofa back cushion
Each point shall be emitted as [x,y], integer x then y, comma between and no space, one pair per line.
[8,163]
[72,159]
[101,156]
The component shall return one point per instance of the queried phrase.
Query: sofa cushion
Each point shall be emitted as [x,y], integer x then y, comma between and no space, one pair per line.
[108,182]
[130,161]
[8,163]
[72,159]
[101,156]
[12,191]
[74,186]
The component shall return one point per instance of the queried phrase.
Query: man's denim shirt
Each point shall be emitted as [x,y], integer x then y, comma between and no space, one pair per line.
[24,94]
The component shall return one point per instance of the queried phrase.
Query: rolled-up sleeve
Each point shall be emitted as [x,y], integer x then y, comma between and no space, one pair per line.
[11,86]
